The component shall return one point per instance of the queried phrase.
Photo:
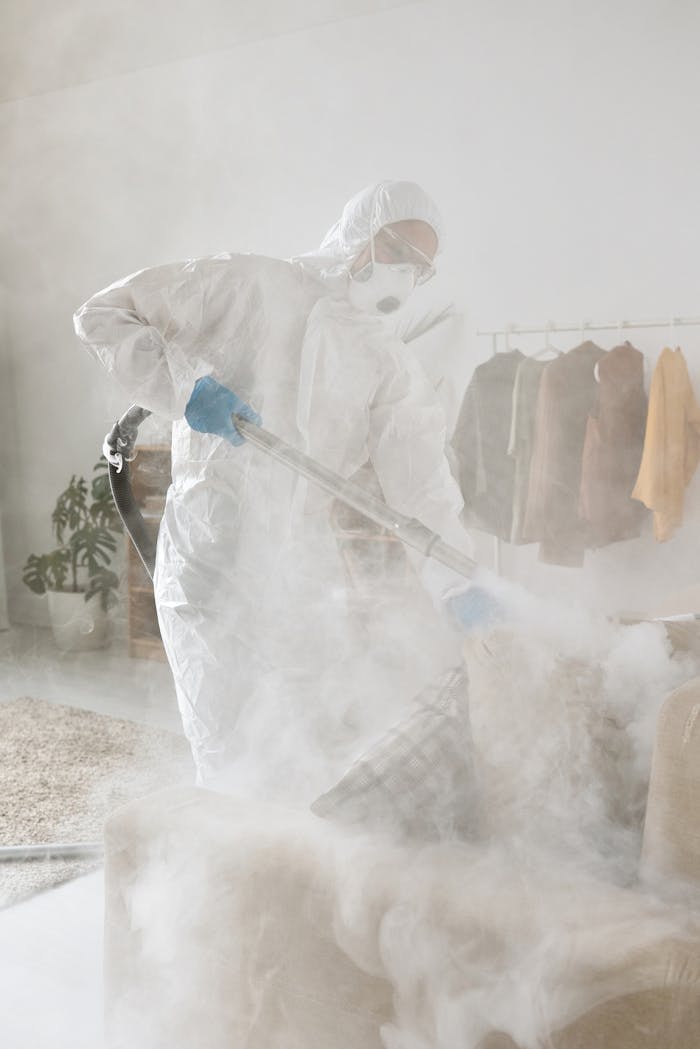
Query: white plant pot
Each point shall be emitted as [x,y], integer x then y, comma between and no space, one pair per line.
[77,625]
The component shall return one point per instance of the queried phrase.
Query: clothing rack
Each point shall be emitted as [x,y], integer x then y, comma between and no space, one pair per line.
[670,323]
[584,326]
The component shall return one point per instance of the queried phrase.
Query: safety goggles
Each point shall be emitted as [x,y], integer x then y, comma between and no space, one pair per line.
[400,252]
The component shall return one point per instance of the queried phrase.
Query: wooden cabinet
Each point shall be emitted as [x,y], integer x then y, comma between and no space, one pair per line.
[150,477]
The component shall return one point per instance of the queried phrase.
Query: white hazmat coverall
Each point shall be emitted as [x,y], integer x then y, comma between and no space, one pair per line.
[249,587]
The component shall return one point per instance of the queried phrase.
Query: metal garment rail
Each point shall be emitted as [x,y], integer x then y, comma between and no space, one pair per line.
[584,326]
[670,324]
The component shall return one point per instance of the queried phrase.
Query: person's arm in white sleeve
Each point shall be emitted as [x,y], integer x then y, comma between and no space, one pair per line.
[144,330]
[407,436]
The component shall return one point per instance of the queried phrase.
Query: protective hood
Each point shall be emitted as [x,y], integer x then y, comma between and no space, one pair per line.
[363,216]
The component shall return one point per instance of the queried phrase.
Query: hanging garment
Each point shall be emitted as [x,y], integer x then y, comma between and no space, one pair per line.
[613,448]
[671,444]
[567,394]
[522,436]
[486,472]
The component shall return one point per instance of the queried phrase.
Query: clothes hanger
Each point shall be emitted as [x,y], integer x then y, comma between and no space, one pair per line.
[507,331]
[672,334]
[547,348]
[596,366]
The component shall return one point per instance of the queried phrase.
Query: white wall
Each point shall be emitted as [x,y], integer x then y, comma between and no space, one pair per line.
[7,406]
[44,47]
[560,140]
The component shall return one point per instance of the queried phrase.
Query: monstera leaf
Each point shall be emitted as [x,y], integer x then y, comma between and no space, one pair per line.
[71,509]
[47,571]
[105,583]
[92,547]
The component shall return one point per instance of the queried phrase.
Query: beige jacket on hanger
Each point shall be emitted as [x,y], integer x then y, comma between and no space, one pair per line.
[671,444]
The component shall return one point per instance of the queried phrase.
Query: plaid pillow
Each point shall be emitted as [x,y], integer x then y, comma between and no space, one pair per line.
[418,779]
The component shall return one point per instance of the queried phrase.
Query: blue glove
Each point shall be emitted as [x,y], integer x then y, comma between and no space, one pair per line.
[475,607]
[210,407]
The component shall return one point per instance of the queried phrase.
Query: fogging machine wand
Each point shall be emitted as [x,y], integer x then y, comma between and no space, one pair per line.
[119,451]
[119,448]
[410,531]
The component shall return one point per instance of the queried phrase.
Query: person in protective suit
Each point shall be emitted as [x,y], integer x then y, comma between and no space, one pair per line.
[249,586]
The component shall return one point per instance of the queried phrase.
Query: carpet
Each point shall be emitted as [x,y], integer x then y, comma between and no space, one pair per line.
[62,771]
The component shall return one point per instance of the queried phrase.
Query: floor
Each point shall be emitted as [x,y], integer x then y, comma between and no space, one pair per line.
[51,968]
[51,945]
[106,680]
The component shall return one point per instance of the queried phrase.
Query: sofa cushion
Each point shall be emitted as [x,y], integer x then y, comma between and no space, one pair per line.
[417,780]
[672,827]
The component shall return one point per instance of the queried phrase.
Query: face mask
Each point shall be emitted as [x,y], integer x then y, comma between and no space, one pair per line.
[383,290]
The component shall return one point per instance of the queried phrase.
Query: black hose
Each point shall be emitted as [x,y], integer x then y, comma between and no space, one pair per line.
[141,537]
[119,444]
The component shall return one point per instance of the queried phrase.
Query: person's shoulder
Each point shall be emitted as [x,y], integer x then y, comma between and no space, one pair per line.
[249,272]
[247,262]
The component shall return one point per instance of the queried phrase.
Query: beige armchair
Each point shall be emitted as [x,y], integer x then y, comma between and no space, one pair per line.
[245,926]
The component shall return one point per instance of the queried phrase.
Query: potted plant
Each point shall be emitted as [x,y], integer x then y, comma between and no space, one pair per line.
[76,576]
